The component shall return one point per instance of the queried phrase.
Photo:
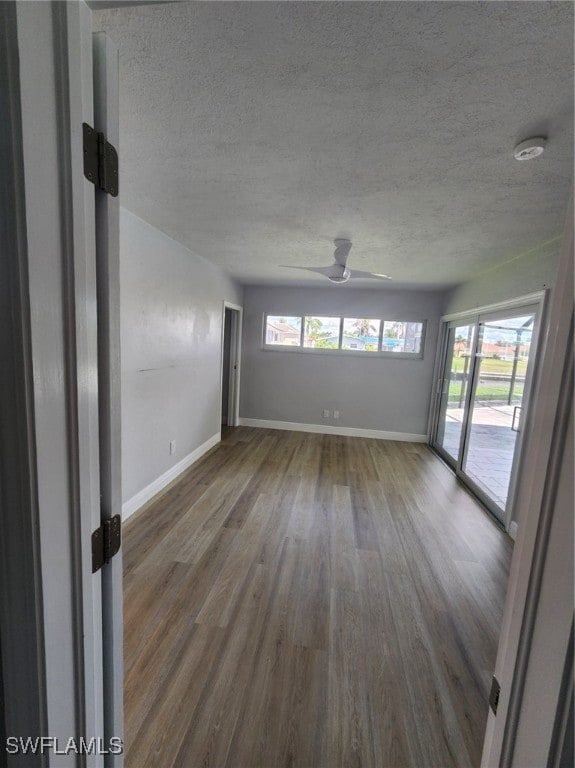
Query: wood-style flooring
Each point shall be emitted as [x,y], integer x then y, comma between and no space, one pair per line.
[311,601]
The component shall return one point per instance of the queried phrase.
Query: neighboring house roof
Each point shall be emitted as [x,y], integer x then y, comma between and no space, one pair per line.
[489,348]
[284,328]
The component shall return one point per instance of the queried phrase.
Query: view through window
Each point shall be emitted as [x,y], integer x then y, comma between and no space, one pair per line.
[322,332]
[283,331]
[360,333]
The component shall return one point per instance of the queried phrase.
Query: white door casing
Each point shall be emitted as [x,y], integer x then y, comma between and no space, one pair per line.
[106,120]
[233,419]
[52,643]
[56,96]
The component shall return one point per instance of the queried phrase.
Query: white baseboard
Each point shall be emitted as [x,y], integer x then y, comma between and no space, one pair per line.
[328,429]
[147,493]
[513,529]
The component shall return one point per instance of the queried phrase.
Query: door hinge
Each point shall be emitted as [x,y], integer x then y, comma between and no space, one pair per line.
[106,542]
[494,695]
[100,161]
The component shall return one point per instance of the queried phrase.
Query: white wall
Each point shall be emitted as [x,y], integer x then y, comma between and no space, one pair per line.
[171,321]
[530,273]
[378,393]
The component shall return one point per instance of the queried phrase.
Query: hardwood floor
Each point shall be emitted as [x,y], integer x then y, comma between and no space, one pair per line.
[311,600]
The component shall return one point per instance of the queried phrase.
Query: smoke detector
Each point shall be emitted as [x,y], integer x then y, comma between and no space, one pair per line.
[530,148]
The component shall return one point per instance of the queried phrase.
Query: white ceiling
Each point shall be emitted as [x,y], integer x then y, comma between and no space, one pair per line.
[256,132]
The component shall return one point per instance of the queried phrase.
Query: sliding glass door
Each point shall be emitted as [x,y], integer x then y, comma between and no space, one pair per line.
[454,388]
[482,401]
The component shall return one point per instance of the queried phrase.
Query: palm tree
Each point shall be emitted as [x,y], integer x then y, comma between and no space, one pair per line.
[395,332]
[364,328]
[313,326]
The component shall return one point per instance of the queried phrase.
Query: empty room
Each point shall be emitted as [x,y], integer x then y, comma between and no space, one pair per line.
[288,445]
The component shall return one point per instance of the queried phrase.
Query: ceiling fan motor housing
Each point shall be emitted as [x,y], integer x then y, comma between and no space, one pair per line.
[341,276]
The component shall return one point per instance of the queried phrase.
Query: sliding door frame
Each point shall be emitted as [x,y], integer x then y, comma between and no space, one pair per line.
[532,302]
[452,461]
[484,317]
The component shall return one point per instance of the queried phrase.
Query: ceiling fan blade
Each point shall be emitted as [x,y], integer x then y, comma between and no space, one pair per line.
[370,275]
[342,249]
[320,270]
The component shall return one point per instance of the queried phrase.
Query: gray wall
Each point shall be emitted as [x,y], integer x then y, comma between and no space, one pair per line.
[371,393]
[532,272]
[171,321]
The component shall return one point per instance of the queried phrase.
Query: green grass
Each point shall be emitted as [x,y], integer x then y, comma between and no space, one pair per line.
[492,365]
[490,390]
[493,390]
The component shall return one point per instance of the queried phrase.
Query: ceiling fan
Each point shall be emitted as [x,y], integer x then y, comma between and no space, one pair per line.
[339,272]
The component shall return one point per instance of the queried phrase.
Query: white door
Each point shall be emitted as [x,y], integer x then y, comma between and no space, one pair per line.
[59,679]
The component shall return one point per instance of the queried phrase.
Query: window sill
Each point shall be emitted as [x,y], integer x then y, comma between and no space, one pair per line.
[342,352]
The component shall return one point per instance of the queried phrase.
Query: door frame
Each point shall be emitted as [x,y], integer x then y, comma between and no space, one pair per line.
[107,223]
[235,363]
[534,302]
[23,675]
[51,606]
[450,460]
[506,517]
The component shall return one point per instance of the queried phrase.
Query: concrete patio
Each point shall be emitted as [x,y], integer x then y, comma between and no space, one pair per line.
[491,446]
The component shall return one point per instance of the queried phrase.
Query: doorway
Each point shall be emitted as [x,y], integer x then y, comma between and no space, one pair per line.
[231,355]
[483,400]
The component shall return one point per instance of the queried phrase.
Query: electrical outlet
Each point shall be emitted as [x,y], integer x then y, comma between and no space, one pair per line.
[326,414]
[336,414]
[172,447]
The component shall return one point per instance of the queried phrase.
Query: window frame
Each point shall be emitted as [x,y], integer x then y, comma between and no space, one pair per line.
[301,349]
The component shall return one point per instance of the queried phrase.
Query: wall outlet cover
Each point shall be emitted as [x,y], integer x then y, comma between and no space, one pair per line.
[326,414]
[336,414]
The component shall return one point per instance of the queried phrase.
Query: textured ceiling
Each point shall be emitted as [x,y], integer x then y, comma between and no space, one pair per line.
[255,133]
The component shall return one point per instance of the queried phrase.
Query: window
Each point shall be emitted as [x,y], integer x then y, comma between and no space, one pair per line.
[321,332]
[361,334]
[399,336]
[329,334]
[283,331]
